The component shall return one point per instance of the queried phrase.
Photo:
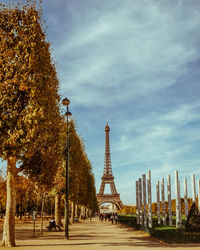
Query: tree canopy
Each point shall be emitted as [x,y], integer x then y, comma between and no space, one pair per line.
[81,178]
[32,129]
[30,119]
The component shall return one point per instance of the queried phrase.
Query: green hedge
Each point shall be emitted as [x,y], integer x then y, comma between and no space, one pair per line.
[174,235]
[165,233]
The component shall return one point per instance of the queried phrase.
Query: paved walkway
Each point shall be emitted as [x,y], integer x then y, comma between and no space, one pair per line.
[88,235]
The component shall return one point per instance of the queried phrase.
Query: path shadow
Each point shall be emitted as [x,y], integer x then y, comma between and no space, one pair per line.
[117,244]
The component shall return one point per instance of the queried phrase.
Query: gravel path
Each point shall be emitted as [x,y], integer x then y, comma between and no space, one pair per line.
[88,235]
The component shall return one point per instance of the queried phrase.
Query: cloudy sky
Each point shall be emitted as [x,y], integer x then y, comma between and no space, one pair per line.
[135,63]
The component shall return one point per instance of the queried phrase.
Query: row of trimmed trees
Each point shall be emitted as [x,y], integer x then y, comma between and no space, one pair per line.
[32,129]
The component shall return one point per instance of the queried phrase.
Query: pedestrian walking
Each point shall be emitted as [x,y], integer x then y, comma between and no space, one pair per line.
[101,217]
[116,218]
[112,218]
[105,217]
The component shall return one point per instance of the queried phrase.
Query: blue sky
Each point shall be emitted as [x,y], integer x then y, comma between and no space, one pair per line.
[135,63]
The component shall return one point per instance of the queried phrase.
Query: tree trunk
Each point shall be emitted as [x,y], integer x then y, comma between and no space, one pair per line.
[58,210]
[90,214]
[76,210]
[9,222]
[21,209]
[1,211]
[85,212]
[42,210]
[72,212]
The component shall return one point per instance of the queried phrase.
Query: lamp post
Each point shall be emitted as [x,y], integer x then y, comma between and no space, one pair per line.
[66,103]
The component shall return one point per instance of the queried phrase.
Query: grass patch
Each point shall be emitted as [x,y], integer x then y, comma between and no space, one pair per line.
[165,228]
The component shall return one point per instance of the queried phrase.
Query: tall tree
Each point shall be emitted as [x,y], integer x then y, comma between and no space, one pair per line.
[80,170]
[91,194]
[29,101]
[81,180]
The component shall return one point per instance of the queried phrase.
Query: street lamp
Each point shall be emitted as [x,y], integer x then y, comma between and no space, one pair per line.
[66,103]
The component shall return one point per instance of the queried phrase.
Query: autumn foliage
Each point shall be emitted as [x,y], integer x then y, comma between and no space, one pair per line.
[81,179]
[32,129]
[29,103]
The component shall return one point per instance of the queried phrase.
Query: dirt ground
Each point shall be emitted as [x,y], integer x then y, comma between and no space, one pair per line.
[88,235]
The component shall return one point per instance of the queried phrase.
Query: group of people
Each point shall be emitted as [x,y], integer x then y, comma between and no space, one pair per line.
[113,218]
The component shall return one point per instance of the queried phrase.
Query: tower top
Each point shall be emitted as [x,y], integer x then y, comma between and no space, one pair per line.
[107,160]
[107,128]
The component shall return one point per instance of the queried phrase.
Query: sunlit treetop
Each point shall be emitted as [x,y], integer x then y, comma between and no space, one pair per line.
[28,80]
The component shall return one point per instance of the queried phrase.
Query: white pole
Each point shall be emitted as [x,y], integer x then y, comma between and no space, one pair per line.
[163,201]
[179,199]
[144,199]
[169,200]
[186,197]
[140,201]
[149,199]
[178,222]
[158,201]
[137,203]
[193,188]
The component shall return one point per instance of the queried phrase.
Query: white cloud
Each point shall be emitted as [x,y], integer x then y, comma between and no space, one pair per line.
[135,48]
[159,137]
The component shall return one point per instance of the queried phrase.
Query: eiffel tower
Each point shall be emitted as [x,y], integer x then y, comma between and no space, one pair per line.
[108,178]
